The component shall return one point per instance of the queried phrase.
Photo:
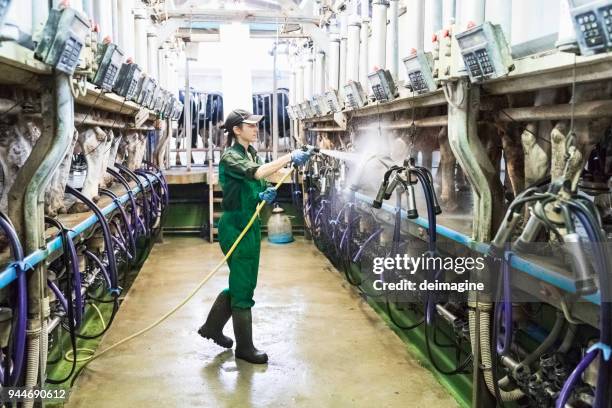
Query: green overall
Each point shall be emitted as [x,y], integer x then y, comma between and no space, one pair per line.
[240,198]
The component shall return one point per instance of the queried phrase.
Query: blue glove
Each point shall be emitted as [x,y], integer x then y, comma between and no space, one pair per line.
[300,157]
[269,195]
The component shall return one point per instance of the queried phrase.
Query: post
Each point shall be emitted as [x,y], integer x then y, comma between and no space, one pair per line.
[274,104]
[187,115]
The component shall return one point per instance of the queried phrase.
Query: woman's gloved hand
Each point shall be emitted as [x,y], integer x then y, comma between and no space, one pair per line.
[300,156]
[269,195]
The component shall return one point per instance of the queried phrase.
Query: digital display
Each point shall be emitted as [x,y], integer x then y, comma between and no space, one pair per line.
[473,39]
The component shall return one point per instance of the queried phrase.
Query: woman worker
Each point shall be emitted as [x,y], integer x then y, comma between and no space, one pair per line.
[241,175]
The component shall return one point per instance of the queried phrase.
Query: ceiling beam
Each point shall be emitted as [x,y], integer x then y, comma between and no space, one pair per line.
[243,16]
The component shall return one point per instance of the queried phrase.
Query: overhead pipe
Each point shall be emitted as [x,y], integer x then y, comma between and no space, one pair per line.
[393,38]
[500,12]
[103,15]
[566,40]
[436,16]
[152,55]
[416,24]
[115,20]
[364,36]
[334,63]
[40,14]
[472,11]
[379,34]
[126,27]
[299,89]
[308,74]
[320,72]
[449,12]
[352,57]
[343,48]
[140,39]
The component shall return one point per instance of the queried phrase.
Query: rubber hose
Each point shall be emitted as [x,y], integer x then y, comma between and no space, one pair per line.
[106,234]
[548,342]
[124,217]
[485,353]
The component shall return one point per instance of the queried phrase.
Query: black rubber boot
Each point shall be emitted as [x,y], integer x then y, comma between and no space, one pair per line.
[218,316]
[243,330]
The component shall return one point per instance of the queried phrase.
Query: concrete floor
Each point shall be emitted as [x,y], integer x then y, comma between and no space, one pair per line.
[326,347]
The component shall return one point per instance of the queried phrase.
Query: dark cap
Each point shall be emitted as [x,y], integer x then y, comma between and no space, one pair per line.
[238,116]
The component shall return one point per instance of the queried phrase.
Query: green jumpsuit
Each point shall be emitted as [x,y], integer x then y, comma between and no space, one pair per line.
[240,198]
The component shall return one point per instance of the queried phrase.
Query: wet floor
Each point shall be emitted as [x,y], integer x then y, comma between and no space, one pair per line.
[326,347]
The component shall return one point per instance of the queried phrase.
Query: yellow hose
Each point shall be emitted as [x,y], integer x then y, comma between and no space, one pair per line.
[198,287]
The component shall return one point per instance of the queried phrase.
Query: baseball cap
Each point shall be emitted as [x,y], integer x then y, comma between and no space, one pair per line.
[238,116]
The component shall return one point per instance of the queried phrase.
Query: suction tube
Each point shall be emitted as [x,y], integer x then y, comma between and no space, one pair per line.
[18,348]
[124,217]
[145,202]
[602,390]
[72,263]
[136,220]
[108,242]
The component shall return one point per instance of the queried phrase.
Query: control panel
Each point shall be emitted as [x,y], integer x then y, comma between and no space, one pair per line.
[323,105]
[354,95]
[382,85]
[485,52]
[593,24]
[419,70]
[314,106]
[63,39]
[333,102]
[290,112]
[127,81]
[109,61]
[307,110]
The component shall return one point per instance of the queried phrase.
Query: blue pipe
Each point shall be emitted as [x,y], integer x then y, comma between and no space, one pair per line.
[10,273]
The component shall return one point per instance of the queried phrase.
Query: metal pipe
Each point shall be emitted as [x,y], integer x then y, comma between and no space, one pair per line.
[472,11]
[140,39]
[115,20]
[152,54]
[379,33]
[308,73]
[364,62]
[583,110]
[274,106]
[449,12]
[187,114]
[566,40]
[40,13]
[26,208]
[320,73]
[334,63]
[299,89]
[343,48]
[436,16]
[416,24]
[103,15]
[352,58]
[126,27]
[392,43]
[500,12]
